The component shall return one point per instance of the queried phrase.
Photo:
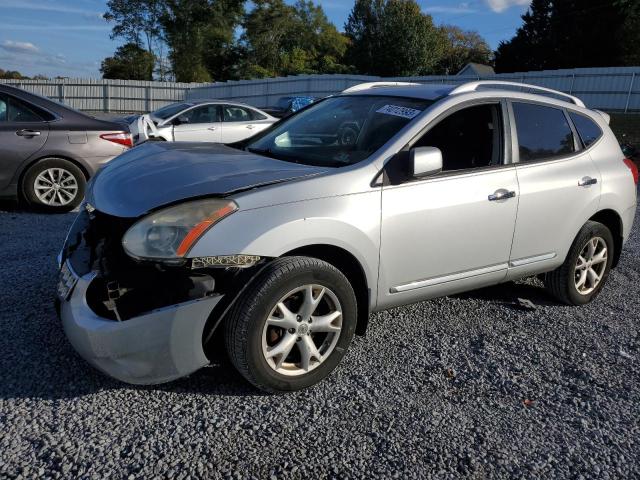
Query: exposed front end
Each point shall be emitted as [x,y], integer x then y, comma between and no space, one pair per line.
[140,322]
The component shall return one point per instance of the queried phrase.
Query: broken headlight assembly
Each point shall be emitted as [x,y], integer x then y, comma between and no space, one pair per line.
[168,234]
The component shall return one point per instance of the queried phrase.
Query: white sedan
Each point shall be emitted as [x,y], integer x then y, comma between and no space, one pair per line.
[216,121]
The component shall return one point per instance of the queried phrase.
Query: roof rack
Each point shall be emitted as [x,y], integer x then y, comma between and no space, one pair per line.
[473,86]
[368,85]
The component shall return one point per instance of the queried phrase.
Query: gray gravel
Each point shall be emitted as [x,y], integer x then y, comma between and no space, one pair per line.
[471,386]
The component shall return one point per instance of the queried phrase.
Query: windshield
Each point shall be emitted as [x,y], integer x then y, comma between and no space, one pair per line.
[339,131]
[170,110]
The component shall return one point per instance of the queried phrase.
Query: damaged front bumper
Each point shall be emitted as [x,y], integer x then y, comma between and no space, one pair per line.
[135,322]
[155,347]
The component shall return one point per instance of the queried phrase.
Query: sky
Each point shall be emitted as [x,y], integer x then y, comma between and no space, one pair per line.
[69,37]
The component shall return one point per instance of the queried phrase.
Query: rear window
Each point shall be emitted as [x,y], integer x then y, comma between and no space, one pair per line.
[170,110]
[588,130]
[543,132]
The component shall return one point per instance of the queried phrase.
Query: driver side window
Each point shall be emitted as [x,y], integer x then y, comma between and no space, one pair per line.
[469,138]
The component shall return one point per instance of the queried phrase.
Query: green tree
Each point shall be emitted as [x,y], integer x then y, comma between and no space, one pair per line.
[461,48]
[12,75]
[199,34]
[281,39]
[393,38]
[136,21]
[130,62]
[572,34]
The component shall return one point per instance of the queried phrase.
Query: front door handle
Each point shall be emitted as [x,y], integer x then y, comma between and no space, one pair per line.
[27,133]
[501,194]
[586,181]
[211,128]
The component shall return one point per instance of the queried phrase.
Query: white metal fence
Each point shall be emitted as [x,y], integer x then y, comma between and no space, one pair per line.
[108,95]
[614,89]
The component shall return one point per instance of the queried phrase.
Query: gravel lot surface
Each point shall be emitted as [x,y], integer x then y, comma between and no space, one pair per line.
[471,386]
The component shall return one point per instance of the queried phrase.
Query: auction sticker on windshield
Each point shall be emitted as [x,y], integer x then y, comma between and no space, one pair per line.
[397,111]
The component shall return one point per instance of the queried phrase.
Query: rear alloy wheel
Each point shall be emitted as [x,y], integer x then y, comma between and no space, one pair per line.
[54,184]
[584,272]
[292,325]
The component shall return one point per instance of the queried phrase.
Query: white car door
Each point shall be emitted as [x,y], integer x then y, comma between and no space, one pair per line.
[239,123]
[198,124]
[451,231]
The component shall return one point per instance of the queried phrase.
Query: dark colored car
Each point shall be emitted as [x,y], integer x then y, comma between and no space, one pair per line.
[48,151]
[288,105]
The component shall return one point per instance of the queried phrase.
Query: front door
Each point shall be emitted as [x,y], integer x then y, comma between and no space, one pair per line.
[453,231]
[22,133]
[199,124]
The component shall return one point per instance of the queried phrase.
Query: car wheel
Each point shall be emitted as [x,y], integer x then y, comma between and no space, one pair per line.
[54,184]
[584,272]
[293,325]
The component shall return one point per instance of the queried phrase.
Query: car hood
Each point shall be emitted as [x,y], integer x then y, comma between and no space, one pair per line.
[162,173]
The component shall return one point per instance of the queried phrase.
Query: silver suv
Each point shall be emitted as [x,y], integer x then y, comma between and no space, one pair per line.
[282,245]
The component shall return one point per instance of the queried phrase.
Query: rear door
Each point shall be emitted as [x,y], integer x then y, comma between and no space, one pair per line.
[240,122]
[23,132]
[199,124]
[559,187]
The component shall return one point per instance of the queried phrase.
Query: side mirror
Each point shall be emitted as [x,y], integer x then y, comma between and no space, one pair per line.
[179,120]
[425,161]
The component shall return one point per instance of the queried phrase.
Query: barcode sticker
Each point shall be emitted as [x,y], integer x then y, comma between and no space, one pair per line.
[397,111]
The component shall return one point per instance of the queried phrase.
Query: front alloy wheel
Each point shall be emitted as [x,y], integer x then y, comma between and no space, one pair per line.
[292,325]
[302,330]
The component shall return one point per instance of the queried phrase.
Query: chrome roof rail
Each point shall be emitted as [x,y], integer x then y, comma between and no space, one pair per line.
[473,86]
[368,85]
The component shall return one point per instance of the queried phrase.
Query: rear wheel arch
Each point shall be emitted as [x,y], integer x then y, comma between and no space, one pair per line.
[26,173]
[610,219]
[27,167]
[349,265]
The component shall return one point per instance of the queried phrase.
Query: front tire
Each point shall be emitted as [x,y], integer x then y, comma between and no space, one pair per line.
[292,325]
[585,271]
[54,184]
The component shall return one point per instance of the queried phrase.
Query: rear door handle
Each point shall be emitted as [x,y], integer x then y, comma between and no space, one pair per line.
[211,128]
[586,181]
[501,194]
[251,127]
[27,133]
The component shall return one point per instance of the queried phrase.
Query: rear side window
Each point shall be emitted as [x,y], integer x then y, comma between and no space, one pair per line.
[543,132]
[18,111]
[3,109]
[233,113]
[588,130]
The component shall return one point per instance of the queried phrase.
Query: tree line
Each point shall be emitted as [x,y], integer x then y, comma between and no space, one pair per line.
[218,40]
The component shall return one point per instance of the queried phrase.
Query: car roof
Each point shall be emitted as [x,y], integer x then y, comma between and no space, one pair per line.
[422,91]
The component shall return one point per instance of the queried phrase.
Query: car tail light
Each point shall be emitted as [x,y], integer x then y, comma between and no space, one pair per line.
[121,138]
[634,169]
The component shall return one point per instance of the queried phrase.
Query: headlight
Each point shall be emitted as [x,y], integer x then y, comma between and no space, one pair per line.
[169,234]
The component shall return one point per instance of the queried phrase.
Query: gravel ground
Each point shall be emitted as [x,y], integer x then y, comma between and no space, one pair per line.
[467,386]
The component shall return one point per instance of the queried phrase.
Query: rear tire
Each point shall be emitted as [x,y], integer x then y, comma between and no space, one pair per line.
[585,271]
[54,184]
[267,339]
